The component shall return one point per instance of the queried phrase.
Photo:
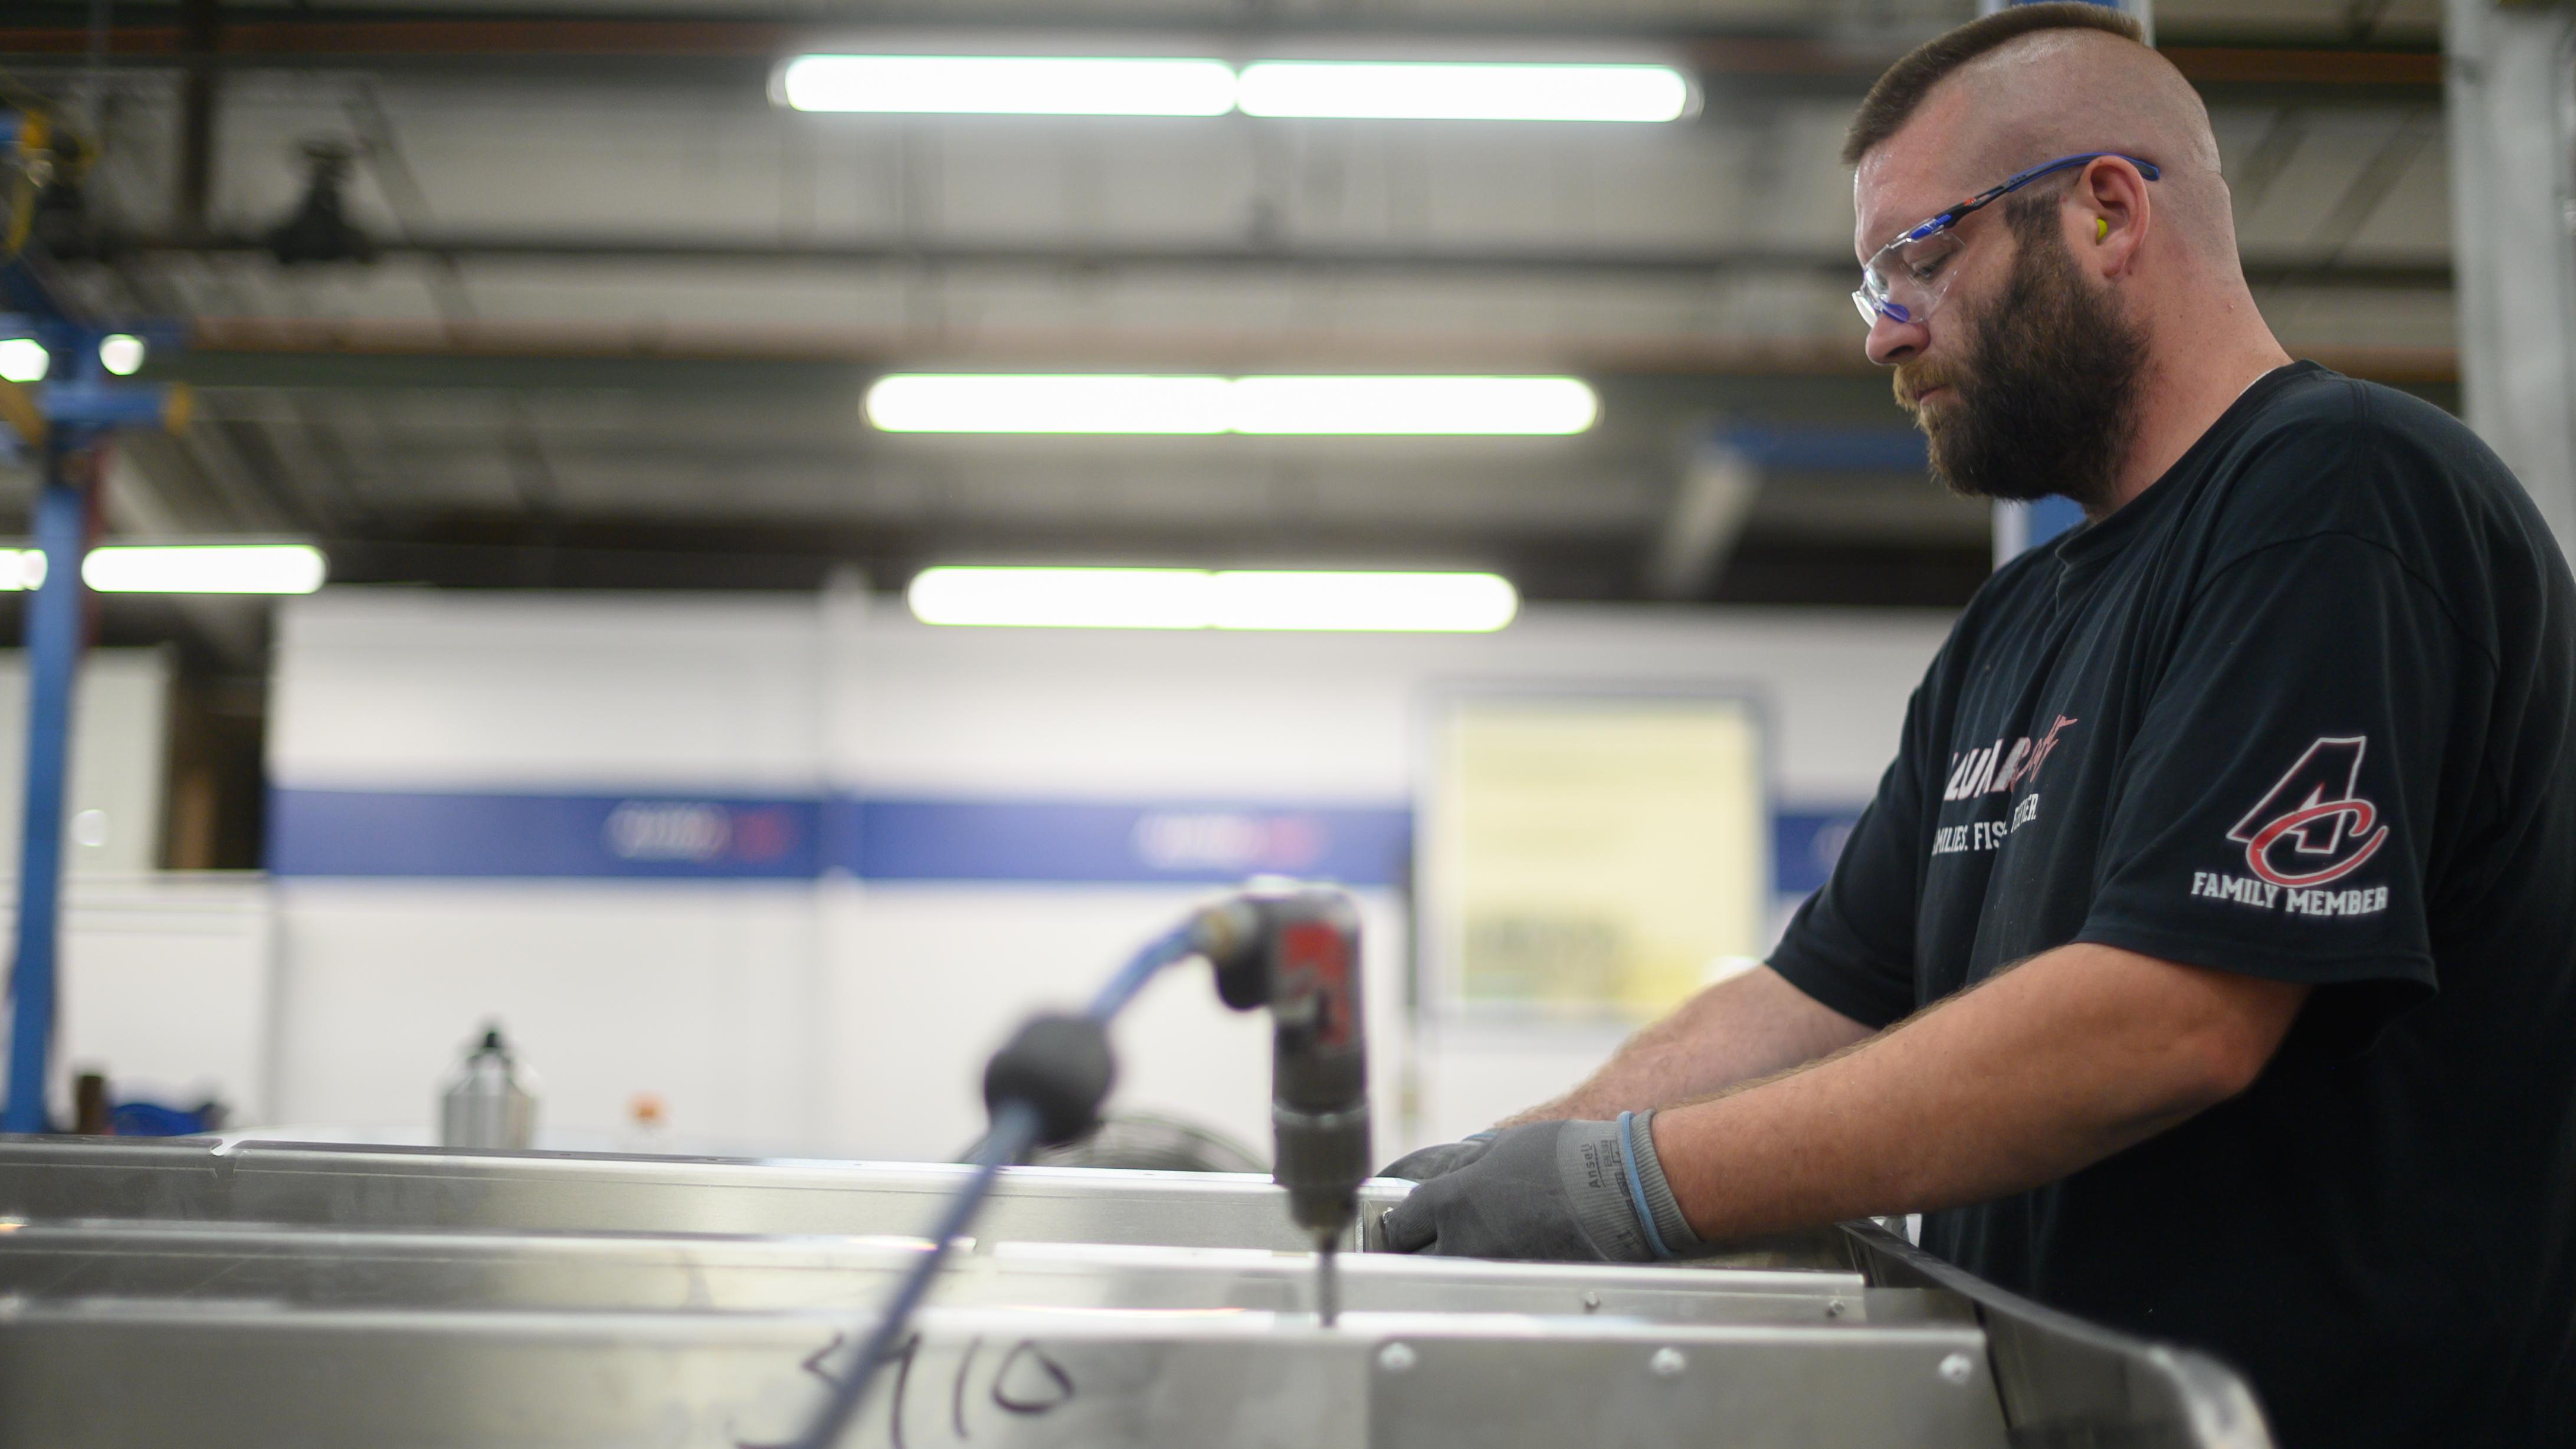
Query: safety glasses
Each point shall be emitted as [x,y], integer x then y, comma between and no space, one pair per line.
[1904,280]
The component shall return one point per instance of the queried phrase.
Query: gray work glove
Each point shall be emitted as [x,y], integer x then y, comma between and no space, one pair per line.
[1563,1190]
[1425,1163]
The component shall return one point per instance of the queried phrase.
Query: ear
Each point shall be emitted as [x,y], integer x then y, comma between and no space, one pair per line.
[2113,210]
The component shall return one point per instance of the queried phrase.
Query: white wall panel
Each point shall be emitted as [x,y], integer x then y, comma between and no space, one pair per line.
[391,688]
[165,987]
[699,993]
[119,755]
[1334,715]
[852,1017]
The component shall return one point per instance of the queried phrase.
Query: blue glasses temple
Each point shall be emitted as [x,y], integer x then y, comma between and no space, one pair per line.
[2146,168]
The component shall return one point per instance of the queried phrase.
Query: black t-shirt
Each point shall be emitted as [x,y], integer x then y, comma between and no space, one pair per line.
[2304,710]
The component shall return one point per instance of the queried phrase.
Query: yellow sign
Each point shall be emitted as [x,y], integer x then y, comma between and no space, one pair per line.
[1593,856]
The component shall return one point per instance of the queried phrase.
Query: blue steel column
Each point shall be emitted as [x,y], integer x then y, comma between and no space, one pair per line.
[54,627]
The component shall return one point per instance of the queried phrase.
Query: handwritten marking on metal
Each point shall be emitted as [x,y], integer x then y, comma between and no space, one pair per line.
[957,1387]
[1042,1384]
[1054,1370]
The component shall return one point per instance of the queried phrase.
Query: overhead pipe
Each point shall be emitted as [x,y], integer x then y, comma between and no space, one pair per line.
[1844,61]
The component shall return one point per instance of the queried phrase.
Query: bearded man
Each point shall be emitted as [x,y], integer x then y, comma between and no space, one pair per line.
[2206,962]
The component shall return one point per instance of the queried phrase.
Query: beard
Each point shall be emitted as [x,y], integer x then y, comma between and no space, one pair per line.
[2046,399]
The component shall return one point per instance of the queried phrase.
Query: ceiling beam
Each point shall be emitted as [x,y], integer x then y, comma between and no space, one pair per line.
[2320,271]
[1821,59]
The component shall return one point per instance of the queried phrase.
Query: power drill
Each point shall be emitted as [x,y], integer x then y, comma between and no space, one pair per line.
[1297,951]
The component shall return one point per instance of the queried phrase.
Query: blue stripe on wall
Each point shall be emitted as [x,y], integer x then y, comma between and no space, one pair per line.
[373,833]
[392,833]
[426,834]
[1804,846]
[1201,842]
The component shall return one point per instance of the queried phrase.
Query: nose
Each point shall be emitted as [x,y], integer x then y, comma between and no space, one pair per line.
[1891,342]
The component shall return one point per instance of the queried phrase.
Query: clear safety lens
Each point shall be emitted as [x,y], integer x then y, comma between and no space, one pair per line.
[1906,279]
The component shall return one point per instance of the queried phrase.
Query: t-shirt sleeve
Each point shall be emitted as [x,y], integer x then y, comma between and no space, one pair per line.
[1851,944]
[2274,815]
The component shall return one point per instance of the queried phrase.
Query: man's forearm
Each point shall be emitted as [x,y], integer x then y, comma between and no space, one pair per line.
[1745,1027]
[2037,1072]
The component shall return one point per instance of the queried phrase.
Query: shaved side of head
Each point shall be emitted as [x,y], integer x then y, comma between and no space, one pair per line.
[2043,91]
[2059,92]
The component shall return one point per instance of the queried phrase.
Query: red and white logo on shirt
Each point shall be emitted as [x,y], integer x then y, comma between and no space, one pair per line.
[2313,826]
[1994,771]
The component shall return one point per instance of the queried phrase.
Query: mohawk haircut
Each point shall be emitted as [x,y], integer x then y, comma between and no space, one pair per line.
[1893,100]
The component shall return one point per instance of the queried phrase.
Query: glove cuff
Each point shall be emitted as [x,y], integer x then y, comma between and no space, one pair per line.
[1592,1162]
[1668,1233]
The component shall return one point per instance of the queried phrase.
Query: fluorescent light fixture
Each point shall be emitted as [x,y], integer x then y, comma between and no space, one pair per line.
[1113,403]
[1458,406]
[229,568]
[1062,598]
[1083,598]
[23,359]
[1016,85]
[1404,90]
[1080,85]
[232,568]
[121,353]
[1427,602]
[1064,403]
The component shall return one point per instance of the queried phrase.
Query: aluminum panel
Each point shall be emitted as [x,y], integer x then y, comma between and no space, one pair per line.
[393,1187]
[323,1267]
[222,1379]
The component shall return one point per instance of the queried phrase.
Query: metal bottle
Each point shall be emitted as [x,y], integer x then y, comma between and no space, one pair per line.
[490,1102]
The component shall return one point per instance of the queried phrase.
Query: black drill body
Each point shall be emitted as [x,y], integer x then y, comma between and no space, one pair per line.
[1298,953]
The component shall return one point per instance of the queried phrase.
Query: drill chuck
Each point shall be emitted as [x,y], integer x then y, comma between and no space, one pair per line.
[1323,1157]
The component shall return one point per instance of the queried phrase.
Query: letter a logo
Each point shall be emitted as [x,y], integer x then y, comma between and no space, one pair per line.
[2313,828]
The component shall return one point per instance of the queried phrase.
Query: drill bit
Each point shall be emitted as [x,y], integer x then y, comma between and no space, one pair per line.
[1328,1286]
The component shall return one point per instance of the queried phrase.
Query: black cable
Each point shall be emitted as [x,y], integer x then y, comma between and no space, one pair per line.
[1046,1084]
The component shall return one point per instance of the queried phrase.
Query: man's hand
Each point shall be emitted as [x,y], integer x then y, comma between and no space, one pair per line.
[1425,1163]
[1589,1191]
